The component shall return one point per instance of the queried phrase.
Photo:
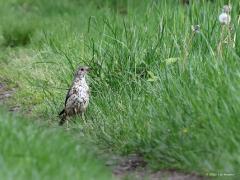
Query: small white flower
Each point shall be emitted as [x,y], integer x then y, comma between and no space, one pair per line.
[224,18]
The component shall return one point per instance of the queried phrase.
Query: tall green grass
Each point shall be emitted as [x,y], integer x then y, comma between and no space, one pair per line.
[157,89]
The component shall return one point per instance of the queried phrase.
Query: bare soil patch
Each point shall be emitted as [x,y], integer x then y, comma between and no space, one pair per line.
[134,167]
[5,94]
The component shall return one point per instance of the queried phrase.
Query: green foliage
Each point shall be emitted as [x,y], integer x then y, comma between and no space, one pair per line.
[157,89]
[17,26]
[17,34]
[31,152]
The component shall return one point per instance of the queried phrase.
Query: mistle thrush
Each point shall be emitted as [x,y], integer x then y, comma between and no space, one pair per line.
[77,98]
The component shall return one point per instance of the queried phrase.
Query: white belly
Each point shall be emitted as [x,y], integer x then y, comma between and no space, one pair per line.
[78,100]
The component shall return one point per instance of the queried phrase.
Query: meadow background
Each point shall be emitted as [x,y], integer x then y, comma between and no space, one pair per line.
[157,88]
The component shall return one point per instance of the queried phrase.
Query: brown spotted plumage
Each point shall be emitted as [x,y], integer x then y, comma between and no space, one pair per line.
[77,98]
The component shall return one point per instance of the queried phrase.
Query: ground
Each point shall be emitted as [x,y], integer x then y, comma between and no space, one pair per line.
[132,166]
[164,97]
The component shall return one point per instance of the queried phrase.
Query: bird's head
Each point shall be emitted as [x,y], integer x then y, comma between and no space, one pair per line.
[82,71]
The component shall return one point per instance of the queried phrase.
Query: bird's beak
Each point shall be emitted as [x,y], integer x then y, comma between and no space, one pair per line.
[88,69]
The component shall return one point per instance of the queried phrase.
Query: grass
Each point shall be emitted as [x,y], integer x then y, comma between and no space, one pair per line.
[157,89]
[33,152]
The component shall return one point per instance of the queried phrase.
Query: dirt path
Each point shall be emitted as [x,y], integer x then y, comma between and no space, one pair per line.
[5,94]
[134,167]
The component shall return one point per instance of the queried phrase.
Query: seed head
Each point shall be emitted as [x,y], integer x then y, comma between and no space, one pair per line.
[224,18]
[196,28]
[227,9]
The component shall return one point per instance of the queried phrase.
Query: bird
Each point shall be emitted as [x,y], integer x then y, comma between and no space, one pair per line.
[77,98]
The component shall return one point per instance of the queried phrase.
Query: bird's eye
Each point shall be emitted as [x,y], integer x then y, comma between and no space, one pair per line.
[81,69]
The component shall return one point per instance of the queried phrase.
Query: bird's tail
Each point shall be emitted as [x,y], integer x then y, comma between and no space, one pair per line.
[62,115]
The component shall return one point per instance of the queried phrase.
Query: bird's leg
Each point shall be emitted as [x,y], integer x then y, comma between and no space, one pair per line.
[67,125]
[83,117]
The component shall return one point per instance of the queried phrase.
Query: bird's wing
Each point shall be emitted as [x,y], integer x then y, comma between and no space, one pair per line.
[68,95]
[72,90]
